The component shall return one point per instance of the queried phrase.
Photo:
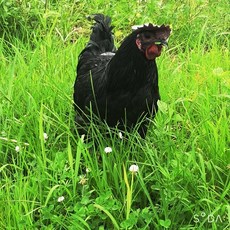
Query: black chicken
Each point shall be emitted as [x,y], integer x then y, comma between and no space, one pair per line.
[119,87]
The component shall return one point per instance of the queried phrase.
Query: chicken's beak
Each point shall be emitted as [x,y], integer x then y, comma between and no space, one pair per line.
[162,42]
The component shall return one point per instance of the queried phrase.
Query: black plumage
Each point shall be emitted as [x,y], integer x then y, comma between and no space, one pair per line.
[120,87]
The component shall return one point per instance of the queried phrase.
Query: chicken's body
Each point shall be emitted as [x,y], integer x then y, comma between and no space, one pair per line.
[121,88]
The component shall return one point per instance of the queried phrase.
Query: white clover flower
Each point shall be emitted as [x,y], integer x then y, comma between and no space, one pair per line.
[83,180]
[3,133]
[120,135]
[45,136]
[218,71]
[134,168]
[17,148]
[82,137]
[108,149]
[60,199]
[87,170]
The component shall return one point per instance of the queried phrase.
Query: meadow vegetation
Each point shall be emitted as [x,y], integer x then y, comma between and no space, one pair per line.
[50,178]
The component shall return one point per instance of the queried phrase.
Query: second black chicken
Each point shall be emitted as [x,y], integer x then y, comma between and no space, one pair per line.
[119,87]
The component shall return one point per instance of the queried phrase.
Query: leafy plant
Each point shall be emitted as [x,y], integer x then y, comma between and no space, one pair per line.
[51,178]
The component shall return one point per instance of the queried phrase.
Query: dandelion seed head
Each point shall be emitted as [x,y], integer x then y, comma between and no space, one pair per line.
[108,149]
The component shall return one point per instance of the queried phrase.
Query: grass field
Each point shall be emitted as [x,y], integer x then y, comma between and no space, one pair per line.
[50,178]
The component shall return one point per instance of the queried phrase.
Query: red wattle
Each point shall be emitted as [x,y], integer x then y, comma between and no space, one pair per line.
[153,51]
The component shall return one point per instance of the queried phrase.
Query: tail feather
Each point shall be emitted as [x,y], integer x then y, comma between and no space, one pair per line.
[101,38]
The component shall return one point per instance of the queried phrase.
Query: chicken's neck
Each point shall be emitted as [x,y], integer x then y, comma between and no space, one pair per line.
[129,69]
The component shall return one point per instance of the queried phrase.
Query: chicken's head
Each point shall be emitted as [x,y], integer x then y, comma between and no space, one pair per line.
[150,39]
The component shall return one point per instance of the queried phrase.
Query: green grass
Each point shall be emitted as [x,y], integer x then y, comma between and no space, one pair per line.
[184,163]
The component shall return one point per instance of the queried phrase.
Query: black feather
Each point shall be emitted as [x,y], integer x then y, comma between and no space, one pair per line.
[120,88]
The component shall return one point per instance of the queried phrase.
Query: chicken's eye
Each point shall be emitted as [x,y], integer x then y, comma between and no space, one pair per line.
[147,36]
